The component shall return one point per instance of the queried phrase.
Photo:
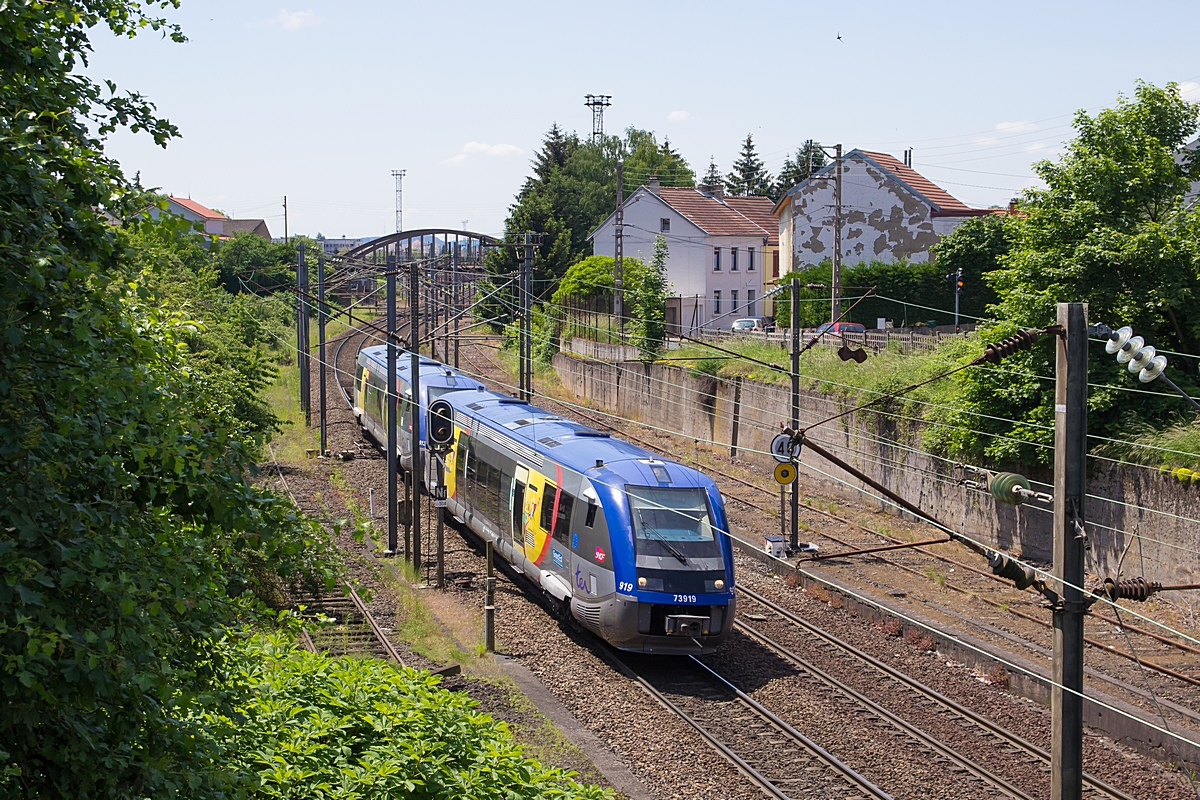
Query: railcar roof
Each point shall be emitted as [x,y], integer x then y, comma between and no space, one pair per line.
[573,445]
[429,368]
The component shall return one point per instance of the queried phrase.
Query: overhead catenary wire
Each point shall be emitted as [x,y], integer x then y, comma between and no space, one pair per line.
[1035,569]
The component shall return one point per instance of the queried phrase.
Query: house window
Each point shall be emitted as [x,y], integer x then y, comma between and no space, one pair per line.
[717,303]
[774,263]
[716,259]
[733,259]
[664,224]
[751,304]
[749,259]
[733,306]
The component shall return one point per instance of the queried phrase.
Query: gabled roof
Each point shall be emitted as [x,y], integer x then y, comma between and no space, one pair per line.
[196,208]
[941,202]
[723,216]
[938,197]
[256,226]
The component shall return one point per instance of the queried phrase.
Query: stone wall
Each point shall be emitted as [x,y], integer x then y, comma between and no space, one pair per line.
[704,408]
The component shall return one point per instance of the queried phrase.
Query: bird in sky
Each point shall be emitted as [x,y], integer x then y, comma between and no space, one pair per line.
[839,36]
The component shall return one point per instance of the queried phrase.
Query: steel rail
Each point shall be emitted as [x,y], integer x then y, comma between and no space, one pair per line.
[939,698]
[361,607]
[912,731]
[843,770]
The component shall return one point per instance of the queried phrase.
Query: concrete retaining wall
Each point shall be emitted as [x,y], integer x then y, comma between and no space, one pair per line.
[702,407]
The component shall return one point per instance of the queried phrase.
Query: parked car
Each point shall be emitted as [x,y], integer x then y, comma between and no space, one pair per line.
[752,325]
[842,327]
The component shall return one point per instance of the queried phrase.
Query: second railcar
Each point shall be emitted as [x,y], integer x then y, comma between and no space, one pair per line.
[370,394]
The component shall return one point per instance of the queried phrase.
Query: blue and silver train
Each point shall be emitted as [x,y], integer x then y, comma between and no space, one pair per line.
[633,547]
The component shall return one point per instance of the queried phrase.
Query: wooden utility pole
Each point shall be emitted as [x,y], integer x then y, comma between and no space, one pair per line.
[391,384]
[836,282]
[526,349]
[619,249]
[1070,541]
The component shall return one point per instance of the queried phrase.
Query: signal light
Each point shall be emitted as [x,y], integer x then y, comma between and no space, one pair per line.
[440,425]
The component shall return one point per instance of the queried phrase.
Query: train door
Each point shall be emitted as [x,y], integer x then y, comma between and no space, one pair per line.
[516,503]
[541,510]
[360,389]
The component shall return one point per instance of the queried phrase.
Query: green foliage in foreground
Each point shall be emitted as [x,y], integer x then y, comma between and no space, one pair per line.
[308,725]
[130,529]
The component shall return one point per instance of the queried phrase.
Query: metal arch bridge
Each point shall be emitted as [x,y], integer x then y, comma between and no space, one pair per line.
[423,243]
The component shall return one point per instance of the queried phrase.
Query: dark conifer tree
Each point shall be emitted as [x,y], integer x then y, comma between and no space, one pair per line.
[712,179]
[749,176]
[809,159]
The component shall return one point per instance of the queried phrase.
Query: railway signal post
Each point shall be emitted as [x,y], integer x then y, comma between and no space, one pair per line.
[321,348]
[414,382]
[794,537]
[440,431]
[392,438]
[1070,541]
[454,298]
[489,604]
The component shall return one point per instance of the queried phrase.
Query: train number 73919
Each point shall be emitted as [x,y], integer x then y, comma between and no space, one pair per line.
[685,598]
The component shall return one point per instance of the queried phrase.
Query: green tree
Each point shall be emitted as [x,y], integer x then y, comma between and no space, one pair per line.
[649,303]
[977,247]
[808,159]
[1109,229]
[712,180]
[251,263]
[749,176]
[129,528]
[572,190]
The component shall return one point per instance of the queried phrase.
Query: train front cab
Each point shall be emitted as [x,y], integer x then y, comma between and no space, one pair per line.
[672,589]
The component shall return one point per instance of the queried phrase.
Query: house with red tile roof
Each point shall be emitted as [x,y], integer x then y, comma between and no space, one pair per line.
[889,212]
[215,223]
[719,249]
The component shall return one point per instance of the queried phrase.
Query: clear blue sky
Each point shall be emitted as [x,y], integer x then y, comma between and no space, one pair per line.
[320,101]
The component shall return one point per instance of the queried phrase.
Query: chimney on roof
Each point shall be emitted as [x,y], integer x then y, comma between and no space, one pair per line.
[654,185]
[717,191]
[1012,206]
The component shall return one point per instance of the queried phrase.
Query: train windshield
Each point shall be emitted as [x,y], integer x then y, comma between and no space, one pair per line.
[672,522]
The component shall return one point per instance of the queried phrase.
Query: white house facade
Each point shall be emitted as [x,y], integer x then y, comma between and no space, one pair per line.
[719,249]
[889,212]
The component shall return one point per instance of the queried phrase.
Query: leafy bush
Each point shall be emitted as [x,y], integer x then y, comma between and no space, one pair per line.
[308,725]
[129,529]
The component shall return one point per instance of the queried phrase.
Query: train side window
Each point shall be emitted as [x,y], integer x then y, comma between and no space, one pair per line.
[469,461]
[591,515]
[549,495]
[460,457]
[562,523]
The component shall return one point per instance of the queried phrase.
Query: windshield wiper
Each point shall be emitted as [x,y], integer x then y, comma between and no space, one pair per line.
[650,529]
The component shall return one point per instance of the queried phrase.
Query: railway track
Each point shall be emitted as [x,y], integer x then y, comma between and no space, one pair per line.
[987,732]
[338,624]
[604,424]
[342,625]
[774,756]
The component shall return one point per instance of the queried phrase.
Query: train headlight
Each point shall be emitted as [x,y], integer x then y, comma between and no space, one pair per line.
[719,584]
[641,583]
